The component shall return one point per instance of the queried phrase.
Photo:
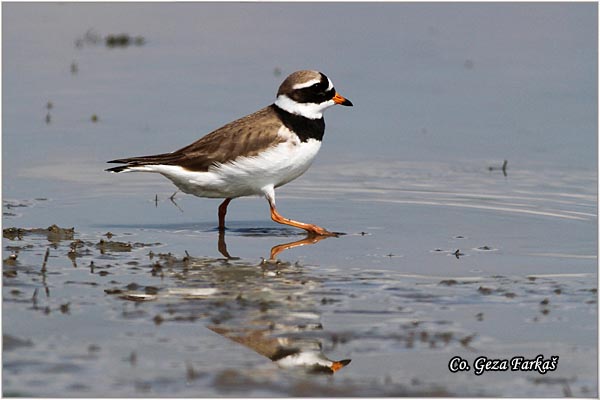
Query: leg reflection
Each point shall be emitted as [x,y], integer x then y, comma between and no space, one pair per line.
[222,246]
[275,250]
[309,239]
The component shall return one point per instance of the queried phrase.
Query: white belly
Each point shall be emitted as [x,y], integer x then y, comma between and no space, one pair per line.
[245,176]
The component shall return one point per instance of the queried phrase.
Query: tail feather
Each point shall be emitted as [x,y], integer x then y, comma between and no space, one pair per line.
[165,158]
[154,159]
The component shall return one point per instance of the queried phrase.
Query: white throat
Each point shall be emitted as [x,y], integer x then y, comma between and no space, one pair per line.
[308,110]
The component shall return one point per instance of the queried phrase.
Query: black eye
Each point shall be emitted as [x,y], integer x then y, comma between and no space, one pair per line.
[320,86]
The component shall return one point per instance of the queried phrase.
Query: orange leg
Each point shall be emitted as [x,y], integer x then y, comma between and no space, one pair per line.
[310,228]
[222,213]
[315,230]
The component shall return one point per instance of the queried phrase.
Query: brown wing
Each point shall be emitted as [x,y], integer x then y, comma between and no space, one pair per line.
[246,136]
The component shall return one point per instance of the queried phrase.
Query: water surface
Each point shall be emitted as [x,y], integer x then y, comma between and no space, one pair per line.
[444,254]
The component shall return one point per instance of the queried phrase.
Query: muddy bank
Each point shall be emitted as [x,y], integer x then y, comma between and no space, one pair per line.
[88,313]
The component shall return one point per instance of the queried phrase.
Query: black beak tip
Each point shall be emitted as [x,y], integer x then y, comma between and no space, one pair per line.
[347,103]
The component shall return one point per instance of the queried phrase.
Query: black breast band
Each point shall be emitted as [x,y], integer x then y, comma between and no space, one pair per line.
[305,128]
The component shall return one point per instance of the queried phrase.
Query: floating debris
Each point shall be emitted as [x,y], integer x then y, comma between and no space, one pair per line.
[191,373]
[108,245]
[93,348]
[503,168]
[123,40]
[9,273]
[94,118]
[65,308]
[448,282]
[53,232]
[132,359]
[137,296]
[81,283]
[10,342]
[484,290]
[92,38]
[467,340]
[11,260]
[192,292]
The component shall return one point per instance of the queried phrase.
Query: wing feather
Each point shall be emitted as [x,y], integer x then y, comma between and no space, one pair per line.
[247,136]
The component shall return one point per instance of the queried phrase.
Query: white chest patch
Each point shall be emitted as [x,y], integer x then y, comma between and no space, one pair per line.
[246,176]
[304,359]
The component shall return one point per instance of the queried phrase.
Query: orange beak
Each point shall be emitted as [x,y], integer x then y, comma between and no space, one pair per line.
[337,365]
[339,99]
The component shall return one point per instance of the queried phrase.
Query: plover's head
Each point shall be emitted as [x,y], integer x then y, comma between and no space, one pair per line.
[308,93]
[312,361]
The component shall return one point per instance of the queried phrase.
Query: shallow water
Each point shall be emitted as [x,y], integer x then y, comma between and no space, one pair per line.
[441,256]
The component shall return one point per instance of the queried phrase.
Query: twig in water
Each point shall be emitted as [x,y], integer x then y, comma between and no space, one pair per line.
[172,198]
[34,298]
[503,168]
[45,260]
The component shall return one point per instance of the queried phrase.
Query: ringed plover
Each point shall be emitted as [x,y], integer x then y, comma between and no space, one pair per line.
[255,154]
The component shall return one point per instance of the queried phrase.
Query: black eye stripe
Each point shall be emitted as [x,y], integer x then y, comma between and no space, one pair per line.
[312,96]
[320,87]
[317,93]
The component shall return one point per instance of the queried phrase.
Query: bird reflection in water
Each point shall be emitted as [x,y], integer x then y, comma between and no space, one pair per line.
[272,308]
[275,250]
[286,352]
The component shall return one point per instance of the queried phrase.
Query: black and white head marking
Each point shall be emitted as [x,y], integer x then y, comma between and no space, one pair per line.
[306,93]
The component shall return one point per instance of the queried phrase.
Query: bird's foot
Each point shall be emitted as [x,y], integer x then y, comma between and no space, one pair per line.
[314,230]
